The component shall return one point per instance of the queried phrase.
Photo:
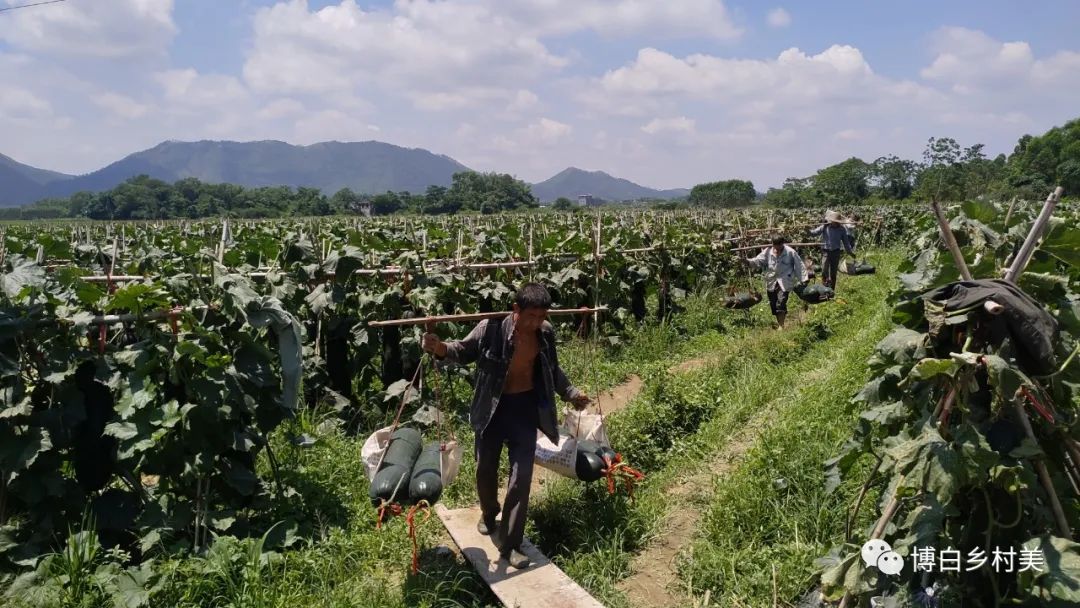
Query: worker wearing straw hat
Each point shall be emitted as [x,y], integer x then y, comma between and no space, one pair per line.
[834,241]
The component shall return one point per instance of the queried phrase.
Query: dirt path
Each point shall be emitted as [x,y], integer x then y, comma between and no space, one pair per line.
[654,569]
[654,578]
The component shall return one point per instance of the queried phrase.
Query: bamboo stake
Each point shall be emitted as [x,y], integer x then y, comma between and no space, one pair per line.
[596,274]
[479,316]
[1008,214]
[879,528]
[950,241]
[1028,248]
[1044,474]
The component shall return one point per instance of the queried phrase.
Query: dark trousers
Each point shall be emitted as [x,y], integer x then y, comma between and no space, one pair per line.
[514,423]
[778,300]
[830,265]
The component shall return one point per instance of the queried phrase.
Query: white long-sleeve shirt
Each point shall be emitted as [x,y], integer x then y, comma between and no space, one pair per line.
[786,269]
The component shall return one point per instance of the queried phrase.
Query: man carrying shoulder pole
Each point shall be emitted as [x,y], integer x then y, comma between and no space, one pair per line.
[517,378]
[784,270]
[834,241]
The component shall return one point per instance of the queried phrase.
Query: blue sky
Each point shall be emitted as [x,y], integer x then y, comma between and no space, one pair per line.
[665,93]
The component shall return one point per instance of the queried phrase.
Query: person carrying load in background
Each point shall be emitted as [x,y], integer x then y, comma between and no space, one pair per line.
[834,240]
[518,375]
[851,227]
[784,271]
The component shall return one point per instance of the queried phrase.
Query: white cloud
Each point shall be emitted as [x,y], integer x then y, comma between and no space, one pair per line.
[96,28]
[708,18]
[187,87]
[524,100]
[546,132]
[281,108]
[120,106]
[678,124]
[839,74]
[451,54]
[972,63]
[854,134]
[441,55]
[778,17]
[17,103]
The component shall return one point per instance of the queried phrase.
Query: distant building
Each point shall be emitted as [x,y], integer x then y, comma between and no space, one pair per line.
[585,200]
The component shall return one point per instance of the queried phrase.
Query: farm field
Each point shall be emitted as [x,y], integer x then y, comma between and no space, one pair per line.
[236,373]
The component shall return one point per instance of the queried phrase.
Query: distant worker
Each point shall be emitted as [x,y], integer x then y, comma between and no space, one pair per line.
[517,377]
[834,241]
[852,228]
[784,270]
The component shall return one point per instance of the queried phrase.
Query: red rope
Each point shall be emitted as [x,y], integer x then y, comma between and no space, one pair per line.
[617,468]
[386,508]
[411,519]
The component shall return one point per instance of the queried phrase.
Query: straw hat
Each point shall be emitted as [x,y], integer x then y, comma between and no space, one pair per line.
[833,217]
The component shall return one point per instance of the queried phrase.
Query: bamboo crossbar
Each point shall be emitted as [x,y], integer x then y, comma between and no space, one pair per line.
[156,315]
[748,248]
[478,316]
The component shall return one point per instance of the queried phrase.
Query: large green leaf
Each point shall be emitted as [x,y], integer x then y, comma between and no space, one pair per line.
[23,273]
[1057,583]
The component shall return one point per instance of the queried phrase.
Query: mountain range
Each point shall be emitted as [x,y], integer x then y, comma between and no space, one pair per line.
[368,167]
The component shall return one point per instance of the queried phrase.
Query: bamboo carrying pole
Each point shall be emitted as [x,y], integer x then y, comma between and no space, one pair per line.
[950,241]
[479,316]
[763,245]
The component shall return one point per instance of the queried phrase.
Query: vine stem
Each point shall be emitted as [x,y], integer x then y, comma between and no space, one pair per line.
[1044,474]
[854,513]
[989,534]
[883,522]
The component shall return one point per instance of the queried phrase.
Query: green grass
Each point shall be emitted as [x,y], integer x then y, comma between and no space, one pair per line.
[772,511]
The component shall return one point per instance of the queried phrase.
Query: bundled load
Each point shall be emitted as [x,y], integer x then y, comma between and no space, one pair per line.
[742,301]
[390,480]
[584,453]
[853,268]
[403,471]
[814,293]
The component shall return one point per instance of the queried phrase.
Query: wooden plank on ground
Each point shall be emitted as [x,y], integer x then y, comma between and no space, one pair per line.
[541,585]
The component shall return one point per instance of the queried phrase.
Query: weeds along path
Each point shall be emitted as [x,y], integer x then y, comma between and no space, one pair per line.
[690,428]
[768,518]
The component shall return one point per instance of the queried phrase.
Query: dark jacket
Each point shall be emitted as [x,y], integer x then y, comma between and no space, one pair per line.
[491,345]
[1031,328]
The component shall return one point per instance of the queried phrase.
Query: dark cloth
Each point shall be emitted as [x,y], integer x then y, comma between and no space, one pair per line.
[1030,328]
[514,423]
[490,344]
[830,265]
[778,300]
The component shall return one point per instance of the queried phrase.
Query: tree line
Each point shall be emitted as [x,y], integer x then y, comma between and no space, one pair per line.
[947,172]
[144,197]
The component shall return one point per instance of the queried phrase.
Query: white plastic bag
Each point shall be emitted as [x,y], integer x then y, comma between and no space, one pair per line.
[373,448]
[586,426]
[451,461]
[561,458]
